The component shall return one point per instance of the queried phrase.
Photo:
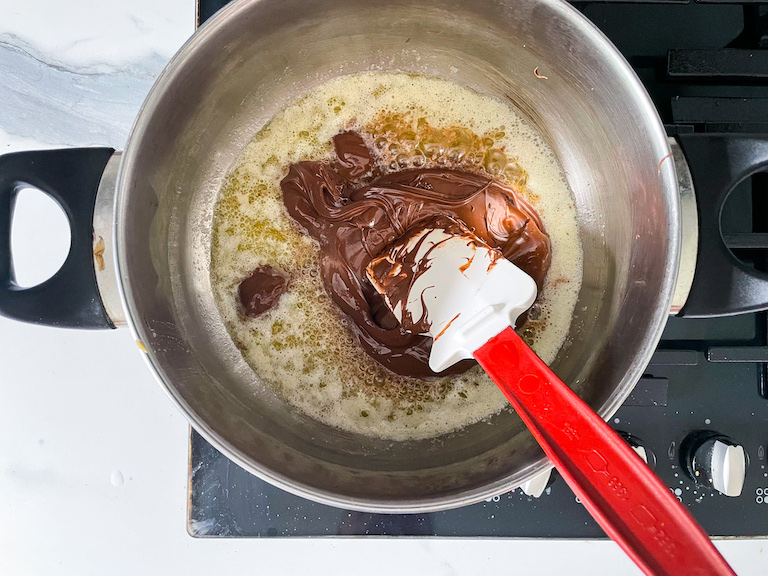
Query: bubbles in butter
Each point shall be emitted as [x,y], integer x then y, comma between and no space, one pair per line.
[303,348]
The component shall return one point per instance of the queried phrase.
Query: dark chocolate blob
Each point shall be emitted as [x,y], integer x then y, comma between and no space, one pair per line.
[356,213]
[261,290]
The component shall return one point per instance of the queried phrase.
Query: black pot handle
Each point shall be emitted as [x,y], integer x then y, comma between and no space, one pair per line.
[722,285]
[70,298]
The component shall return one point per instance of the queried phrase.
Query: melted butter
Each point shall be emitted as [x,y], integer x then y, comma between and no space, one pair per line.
[303,348]
[408,140]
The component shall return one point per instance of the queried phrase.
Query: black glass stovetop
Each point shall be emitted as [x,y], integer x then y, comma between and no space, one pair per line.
[705,65]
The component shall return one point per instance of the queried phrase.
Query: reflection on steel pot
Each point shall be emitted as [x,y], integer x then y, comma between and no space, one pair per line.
[238,70]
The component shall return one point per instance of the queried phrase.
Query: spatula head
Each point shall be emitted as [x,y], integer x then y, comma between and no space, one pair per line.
[441,280]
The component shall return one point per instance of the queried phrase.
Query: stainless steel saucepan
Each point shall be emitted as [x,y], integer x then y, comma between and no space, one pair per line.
[648,248]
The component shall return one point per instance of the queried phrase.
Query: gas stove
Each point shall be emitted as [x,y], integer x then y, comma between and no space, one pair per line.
[705,65]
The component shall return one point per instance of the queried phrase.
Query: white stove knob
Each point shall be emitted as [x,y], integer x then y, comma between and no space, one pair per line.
[728,468]
[715,461]
[535,486]
[640,451]
[639,447]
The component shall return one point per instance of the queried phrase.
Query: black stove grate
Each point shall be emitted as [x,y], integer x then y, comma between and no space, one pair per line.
[705,65]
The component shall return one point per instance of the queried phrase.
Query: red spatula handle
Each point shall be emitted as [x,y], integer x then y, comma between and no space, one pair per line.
[625,497]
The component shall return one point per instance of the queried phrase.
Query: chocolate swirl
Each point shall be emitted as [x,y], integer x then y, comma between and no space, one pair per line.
[355,213]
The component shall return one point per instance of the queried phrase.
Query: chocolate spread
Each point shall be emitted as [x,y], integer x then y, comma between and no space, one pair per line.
[355,213]
[395,272]
[261,290]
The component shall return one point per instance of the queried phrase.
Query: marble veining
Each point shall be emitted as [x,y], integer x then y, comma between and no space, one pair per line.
[83,83]
[59,104]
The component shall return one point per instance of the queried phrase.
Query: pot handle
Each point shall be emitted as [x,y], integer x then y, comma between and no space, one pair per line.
[70,298]
[722,285]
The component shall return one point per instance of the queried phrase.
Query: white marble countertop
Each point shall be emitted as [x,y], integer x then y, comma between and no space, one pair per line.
[93,456]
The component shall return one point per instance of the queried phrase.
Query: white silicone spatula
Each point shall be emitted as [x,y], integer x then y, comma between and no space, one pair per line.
[467,297]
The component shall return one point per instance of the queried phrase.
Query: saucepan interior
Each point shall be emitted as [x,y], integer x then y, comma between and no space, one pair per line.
[254,58]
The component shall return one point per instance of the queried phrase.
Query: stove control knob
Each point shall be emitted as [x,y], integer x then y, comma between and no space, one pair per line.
[715,461]
[640,449]
[535,486]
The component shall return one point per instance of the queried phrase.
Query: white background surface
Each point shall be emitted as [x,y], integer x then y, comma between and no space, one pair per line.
[93,457]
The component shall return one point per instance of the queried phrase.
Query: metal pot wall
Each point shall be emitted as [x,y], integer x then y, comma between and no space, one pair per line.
[153,208]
